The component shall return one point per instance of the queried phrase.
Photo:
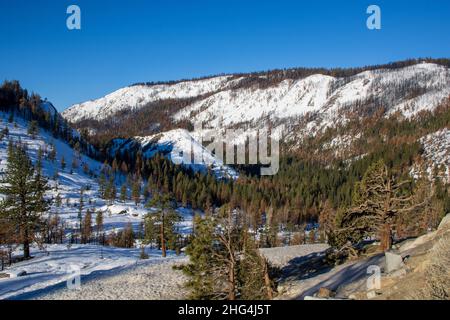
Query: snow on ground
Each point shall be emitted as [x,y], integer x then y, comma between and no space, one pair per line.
[154,280]
[53,266]
[281,256]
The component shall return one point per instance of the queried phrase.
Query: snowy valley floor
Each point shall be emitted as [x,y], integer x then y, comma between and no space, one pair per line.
[148,281]
[106,273]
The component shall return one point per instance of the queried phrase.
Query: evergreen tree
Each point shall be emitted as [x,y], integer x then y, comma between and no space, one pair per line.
[80,210]
[136,191]
[63,163]
[378,201]
[99,226]
[123,193]
[165,219]
[87,228]
[52,153]
[58,200]
[255,278]
[102,185]
[23,186]
[111,190]
[205,277]
[33,128]
[224,260]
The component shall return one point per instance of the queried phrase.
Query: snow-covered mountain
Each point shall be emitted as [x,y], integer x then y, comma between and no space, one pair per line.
[139,95]
[224,102]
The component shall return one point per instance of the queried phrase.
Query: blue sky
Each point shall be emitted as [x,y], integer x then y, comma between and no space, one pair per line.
[123,42]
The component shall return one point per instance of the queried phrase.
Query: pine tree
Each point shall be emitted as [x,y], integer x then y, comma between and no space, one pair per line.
[102,185]
[254,272]
[99,226]
[136,191]
[33,128]
[205,271]
[80,210]
[224,260]
[52,153]
[111,190]
[63,163]
[165,219]
[123,193]
[58,201]
[378,201]
[24,188]
[86,233]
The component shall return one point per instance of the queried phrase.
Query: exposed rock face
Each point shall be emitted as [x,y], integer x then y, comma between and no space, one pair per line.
[445,223]
[393,262]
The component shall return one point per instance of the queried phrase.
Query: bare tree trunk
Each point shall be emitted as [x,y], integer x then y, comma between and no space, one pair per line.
[267,281]
[386,237]
[163,241]
[232,282]
[26,244]
[9,256]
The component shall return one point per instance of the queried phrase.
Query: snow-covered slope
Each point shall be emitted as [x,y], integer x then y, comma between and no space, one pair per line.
[140,95]
[408,90]
[179,146]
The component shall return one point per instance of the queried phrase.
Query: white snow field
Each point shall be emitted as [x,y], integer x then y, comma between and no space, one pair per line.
[54,267]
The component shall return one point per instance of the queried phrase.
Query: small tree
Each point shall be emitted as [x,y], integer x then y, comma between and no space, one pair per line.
[165,219]
[58,200]
[136,191]
[86,233]
[123,193]
[33,128]
[99,226]
[63,163]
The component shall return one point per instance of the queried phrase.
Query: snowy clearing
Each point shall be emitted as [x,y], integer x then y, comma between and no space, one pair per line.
[51,268]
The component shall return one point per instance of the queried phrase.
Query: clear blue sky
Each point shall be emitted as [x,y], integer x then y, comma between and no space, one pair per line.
[123,42]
